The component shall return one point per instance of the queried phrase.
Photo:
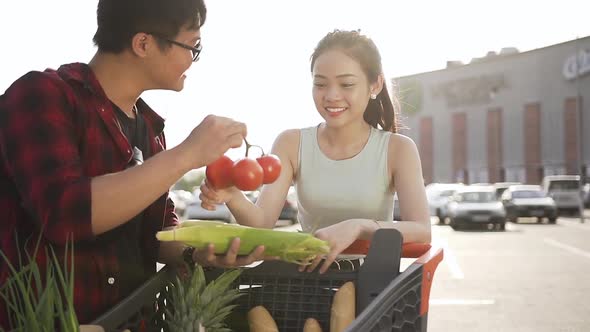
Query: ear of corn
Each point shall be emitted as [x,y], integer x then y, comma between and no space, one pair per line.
[293,247]
[197,222]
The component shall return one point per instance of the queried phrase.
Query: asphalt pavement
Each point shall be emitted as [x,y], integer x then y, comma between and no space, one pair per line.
[531,277]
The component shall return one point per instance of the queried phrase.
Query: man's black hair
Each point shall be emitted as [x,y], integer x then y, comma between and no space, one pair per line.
[119,20]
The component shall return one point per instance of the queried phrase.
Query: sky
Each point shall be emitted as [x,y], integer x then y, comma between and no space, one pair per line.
[254,66]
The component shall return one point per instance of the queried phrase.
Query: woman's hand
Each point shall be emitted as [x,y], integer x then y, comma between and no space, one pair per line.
[210,197]
[339,236]
[231,259]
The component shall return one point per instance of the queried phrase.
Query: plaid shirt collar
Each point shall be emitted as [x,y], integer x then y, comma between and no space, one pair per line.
[82,74]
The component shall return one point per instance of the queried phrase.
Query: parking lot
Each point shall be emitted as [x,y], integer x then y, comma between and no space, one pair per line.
[530,277]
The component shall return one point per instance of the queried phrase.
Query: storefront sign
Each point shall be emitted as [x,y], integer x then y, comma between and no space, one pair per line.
[570,67]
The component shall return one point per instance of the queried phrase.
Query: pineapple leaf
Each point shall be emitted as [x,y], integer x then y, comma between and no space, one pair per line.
[39,301]
[220,316]
[193,301]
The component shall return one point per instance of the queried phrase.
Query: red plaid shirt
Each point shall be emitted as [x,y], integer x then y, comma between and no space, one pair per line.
[57,132]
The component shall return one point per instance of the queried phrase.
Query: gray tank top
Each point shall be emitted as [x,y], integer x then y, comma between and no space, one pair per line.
[330,191]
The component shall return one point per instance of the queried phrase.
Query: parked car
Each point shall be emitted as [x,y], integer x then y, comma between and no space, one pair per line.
[438,195]
[500,187]
[476,205]
[181,199]
[565,191]
[289,211]
[397,214]
[528,201]
[194,210]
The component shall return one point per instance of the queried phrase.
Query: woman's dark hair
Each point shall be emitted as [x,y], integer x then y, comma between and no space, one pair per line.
[380,112]
[119,20]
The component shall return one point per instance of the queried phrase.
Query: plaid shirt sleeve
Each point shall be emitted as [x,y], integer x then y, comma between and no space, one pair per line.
[39,143]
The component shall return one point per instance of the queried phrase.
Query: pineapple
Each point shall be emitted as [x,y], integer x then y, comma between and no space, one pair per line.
[197,306]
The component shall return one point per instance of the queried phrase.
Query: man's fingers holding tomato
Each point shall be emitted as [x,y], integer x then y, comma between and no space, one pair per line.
[235,140]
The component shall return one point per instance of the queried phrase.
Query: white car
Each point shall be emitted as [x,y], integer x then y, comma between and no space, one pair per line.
[438,195]
[194,210]
[476,205]
[397,214]
[528,201]
[181,199]
[565,191]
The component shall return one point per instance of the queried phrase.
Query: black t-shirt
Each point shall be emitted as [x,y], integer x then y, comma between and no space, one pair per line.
[127,236]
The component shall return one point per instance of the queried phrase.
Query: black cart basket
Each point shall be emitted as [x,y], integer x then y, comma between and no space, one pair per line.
[386,300]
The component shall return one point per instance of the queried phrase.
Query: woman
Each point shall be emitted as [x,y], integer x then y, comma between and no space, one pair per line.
[346,169]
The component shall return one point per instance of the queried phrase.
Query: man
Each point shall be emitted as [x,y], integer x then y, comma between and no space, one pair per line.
[83,157]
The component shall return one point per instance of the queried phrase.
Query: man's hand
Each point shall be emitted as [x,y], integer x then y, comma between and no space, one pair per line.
[230,259]
[211,139]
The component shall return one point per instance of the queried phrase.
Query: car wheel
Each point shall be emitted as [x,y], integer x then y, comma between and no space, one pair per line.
[441,219]
[552,220]
[511,217]
[501,226]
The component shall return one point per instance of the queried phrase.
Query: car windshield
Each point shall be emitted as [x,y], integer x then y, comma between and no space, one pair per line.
[436,193]
[477,197]
[564,185]
[447,193]
[528,194]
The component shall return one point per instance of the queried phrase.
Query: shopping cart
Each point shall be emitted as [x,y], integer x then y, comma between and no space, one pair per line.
[386,300]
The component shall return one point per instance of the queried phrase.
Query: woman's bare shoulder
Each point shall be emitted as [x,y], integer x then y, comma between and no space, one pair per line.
[403,144]
[286,146]
[289,136]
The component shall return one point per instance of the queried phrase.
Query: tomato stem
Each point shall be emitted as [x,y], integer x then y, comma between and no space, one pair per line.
[248,146]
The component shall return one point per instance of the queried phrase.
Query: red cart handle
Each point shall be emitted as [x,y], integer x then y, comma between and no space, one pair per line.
[409,250]
[426,255]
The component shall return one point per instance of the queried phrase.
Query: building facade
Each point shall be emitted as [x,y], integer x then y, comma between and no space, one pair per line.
[505,117]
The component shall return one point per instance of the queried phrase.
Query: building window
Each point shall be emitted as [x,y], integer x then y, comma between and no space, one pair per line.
[459,147]
[570,134]
[494,145]
[532,142]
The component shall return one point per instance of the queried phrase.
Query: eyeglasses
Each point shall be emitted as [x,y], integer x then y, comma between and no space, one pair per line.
[195,50]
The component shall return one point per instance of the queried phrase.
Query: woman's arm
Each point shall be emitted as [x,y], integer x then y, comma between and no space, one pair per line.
[408,182]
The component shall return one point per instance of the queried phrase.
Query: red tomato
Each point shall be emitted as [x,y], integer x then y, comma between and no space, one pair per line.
[271,166]
[247,174]
[219,173]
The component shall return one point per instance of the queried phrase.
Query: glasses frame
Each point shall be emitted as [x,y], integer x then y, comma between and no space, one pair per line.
[195,50]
